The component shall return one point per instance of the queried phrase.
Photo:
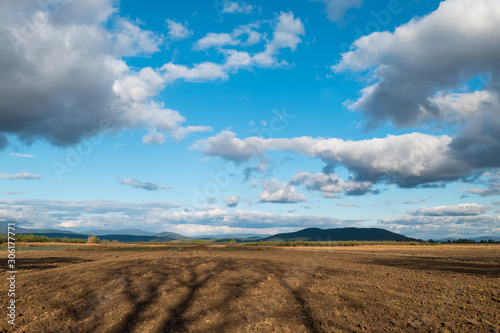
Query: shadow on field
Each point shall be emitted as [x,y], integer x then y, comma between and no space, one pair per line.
[471,267]
[228,274]
[47,263]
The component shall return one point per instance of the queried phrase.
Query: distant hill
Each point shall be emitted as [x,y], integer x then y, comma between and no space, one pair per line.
[341,234]
[124,235]
[172,235]
[20,230]
[133,232]
[57,235]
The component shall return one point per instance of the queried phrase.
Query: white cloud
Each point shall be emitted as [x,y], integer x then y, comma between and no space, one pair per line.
[232,200]
[249,30]
[205,71]
[466,209]
[277,192]
[219,40]
[406,160]
[144,185]
[336,9]
[129,39]
[330,184]
[154,137]
[237,7]
[181,132]
[236,60]
[22,155]
[213,39]
[228,146]
[16,176]
[285,35]
[177,30]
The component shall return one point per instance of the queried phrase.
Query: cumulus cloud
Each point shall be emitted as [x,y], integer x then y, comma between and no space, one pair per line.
[422,56]
[466,209]
[407,160]
[205,71]
[213,39]
[419,69]
[232,200]
[144,185]
[23,175]
[228,146]
[244,35]
[248,33]
[329,184]
[178,30]
[336,9]
[286,35]
[62,72]
[276,192]
[154,137]
[237,7]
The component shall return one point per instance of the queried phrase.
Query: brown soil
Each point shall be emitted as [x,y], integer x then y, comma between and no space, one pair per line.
[235,289]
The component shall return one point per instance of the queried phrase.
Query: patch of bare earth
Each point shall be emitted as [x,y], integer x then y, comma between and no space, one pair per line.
[234,289]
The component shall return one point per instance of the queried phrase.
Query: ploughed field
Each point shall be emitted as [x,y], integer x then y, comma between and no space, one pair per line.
[132,288]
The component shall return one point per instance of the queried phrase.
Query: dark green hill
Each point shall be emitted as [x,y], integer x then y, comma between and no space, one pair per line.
[171,235]
[340,234]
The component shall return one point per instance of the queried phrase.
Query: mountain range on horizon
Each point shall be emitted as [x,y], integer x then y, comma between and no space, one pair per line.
[307,234]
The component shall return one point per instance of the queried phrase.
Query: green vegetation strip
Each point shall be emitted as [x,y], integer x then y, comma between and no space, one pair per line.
[24,238]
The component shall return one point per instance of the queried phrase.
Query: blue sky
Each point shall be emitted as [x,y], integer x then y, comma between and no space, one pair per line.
[220,117]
